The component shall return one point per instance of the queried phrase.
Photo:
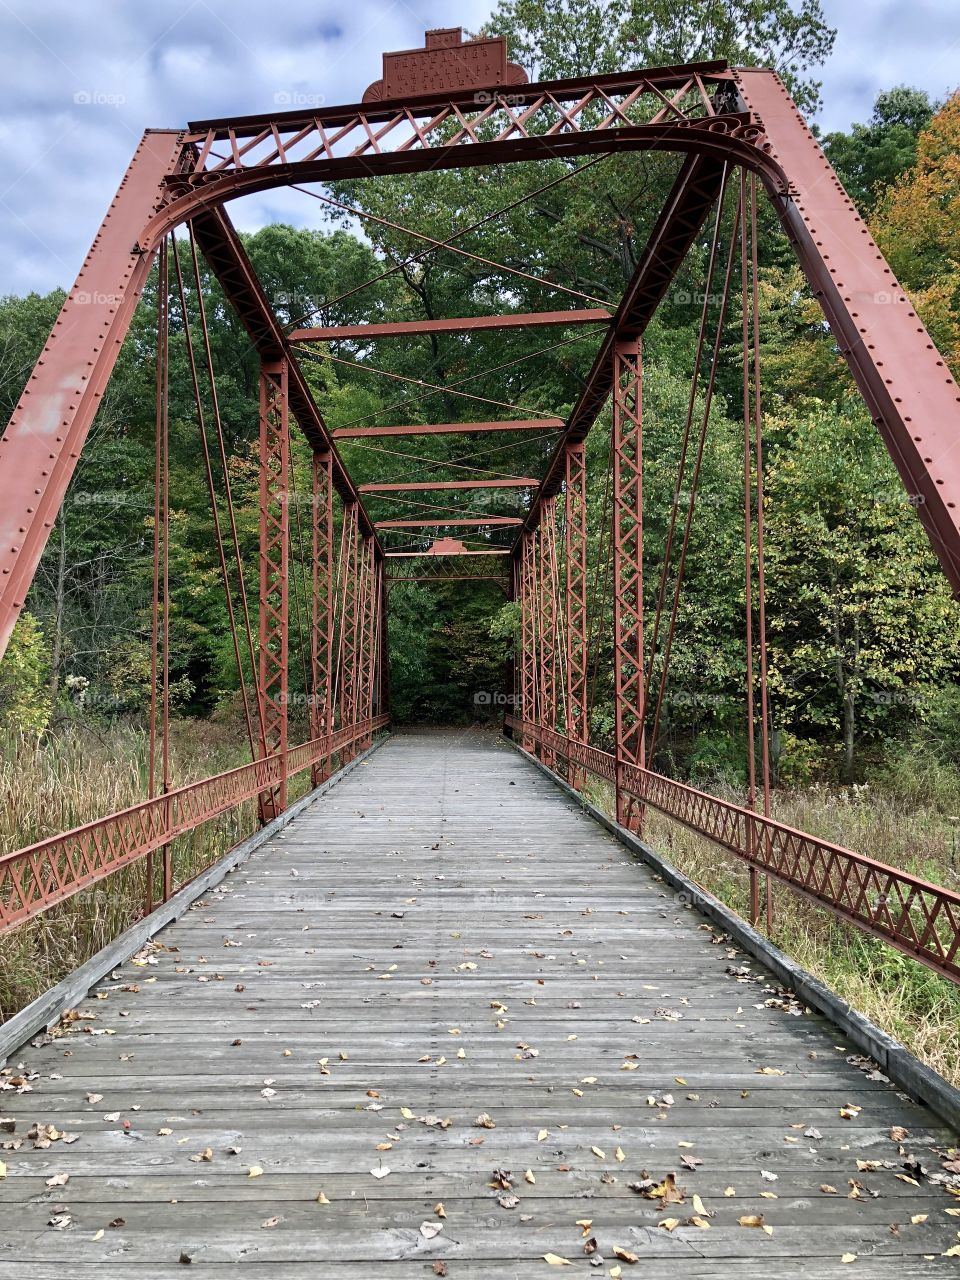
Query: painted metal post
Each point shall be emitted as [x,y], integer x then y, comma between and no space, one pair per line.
[575,601]
[350,604]
[547,614]
[321,633]
[273,671]
[628,568]
[528,664]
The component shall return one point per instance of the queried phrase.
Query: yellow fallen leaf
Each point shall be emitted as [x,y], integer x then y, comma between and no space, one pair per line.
[461,1053]
[619,1156]
[697,1221]
[616,1271]
[254,1171]
[730,1191]
[439,1210]
[769,1071]
[769,1195]
[601,1155]
[3,1169]
[954,1213]
[528,1177]
[918,1217]
[684,1144]
[952,1252]
[668,1224]
[768,1230]
[751,1220]
[577,1092]
[544,1133]
[848,1257]
[624,1254]
[679,1080]
[99,1235]
[698,1206]
[407,1113]
[556,1261]
[321,1198]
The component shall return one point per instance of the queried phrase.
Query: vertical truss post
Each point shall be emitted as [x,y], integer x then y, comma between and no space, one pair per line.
[547,613]
[367,637]
[274,574]
[383,653]
[628,568]
[575,600]
[349,619]
[528,663]
[321,631]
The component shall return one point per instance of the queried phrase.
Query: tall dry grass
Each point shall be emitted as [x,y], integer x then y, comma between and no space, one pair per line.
[76,775]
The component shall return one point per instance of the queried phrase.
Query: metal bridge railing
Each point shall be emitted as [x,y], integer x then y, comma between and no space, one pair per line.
[919,918]
[51,871]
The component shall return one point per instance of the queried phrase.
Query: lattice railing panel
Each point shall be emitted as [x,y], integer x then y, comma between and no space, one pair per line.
[920,918]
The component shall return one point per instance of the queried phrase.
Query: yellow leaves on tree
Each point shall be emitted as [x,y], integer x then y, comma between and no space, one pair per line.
[918,229]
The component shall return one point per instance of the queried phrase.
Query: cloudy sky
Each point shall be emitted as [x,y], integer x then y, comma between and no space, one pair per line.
[81,79]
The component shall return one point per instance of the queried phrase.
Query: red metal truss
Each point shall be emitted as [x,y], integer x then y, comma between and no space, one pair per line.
[463,324]
[628,565]
[274,574]
[575,593]
[664,109]
[690,110]
[919,918]
[323,605]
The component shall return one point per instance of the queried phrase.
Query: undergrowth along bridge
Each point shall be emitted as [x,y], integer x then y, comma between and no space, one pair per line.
[452,105]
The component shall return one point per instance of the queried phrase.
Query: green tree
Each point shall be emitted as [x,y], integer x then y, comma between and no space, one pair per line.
[869,157]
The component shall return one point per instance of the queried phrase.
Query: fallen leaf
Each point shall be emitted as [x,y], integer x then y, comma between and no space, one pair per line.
[379,1173]
[848,1257]
[272,1222]
[528,1177]
[483,1121]
[321,1198]
[430,1229]
[625,1255]
[58,1180]
[254,1171]
[751,1220]
[556,1261]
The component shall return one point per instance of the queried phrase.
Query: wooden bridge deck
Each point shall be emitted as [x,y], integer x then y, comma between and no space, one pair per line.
[446,936]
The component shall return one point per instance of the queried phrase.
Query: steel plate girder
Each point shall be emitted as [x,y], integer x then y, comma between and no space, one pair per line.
[914,400]
[46,432]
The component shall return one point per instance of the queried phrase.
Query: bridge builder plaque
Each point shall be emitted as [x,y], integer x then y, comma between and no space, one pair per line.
[447,64]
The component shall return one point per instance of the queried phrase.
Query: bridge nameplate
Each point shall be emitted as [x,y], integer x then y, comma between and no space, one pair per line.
[446,64]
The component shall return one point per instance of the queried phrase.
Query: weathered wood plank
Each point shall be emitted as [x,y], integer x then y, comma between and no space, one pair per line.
[498,901]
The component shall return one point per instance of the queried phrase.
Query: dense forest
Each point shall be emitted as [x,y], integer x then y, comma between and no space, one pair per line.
[864,639]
